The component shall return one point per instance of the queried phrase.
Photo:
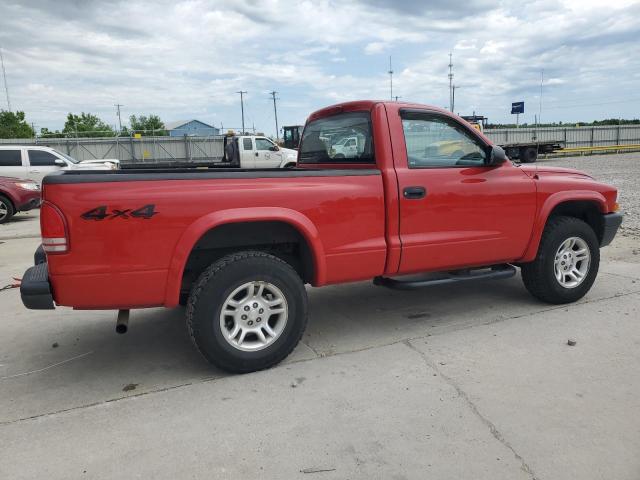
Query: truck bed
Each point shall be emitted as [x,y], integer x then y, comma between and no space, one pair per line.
[131,232]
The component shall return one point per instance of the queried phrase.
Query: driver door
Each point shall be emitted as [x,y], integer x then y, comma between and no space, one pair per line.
[267,155]
[42,163]
[455,210]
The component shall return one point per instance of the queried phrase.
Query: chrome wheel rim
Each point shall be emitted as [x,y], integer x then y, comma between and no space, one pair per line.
[572,261]
[253,316]
[3,210]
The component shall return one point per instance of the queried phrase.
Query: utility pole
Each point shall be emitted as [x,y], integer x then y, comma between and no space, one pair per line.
[275,112]
[4,75]
[540,109]
[451,82]
[118,105]
[397,97]
[390,78]
[241,92]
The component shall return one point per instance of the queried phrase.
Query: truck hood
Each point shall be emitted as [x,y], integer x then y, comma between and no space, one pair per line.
[99,162]
[533,170]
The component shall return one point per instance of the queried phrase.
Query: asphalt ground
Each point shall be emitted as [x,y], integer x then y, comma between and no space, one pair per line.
[449,382]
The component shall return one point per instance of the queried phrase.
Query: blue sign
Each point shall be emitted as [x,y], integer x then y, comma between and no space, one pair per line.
[517,107]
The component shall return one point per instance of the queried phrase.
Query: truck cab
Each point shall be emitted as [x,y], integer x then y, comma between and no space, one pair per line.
[254,151]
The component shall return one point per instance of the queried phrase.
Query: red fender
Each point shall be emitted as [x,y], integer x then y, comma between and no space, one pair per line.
[197,229]
[552,202]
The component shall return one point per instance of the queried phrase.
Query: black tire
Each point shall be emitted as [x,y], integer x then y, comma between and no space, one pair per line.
[528,155]
[538,276]
[6,209]
[212,289]
[290,165]
[339,156]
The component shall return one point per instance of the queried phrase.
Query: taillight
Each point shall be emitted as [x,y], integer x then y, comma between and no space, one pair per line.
[53,229]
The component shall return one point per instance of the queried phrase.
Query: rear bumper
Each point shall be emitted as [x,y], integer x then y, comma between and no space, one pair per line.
[612,222]
[35,289]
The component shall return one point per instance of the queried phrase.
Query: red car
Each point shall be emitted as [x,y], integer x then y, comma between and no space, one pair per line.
[238,246]
[17,195]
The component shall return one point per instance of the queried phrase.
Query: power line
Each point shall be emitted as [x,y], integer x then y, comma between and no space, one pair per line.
[242,92]
[275,112]
[4,75]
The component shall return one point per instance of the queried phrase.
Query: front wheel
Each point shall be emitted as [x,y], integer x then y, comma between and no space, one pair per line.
[247,311]
[567,262]
[6,209]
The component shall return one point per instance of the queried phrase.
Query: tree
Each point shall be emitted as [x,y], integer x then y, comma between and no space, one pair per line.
[45,132]
[147,126]
[86,125]
[13,125]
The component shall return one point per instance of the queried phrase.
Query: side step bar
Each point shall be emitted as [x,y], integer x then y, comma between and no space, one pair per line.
[488,273]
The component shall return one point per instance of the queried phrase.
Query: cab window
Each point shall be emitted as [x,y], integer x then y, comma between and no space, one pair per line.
[39,158]
[438,141]
[10,158]
[263,144]
[324,139]
[247,144]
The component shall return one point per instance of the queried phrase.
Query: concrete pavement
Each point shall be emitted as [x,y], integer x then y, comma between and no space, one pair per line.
[471,381]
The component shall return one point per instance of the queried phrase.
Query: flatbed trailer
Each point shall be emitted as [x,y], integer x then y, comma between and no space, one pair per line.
[525,152]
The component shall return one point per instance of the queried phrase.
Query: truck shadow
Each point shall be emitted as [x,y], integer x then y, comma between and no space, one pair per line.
[157,354]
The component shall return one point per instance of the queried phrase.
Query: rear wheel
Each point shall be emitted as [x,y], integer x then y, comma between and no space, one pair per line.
[567,262]
[247,311]
[6,209]
[528,154]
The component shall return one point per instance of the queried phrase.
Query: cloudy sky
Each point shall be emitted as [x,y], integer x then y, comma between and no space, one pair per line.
[186,59]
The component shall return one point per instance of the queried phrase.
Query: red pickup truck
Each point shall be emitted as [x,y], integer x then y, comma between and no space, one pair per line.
[422,198]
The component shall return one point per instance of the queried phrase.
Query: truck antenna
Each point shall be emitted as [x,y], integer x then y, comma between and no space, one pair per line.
[451,82]
[390,78]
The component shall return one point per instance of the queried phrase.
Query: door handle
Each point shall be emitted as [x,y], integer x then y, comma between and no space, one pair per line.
[414,193]
[257,154]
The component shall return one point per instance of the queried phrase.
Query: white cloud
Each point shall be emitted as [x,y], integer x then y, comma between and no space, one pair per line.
[182,59]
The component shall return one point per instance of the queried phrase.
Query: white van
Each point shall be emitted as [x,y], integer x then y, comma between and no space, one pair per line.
[34,162]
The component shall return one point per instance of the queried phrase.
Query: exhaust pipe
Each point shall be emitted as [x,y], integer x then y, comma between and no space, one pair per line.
[122,323]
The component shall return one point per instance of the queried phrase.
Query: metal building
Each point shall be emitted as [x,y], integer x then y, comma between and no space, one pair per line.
[191,128]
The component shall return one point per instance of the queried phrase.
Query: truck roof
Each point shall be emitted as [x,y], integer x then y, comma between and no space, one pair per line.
[368,105]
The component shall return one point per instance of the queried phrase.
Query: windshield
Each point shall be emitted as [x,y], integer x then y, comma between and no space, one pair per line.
[72,160]
[326,140]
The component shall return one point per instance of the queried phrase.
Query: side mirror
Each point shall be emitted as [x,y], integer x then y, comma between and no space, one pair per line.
[274,148]
[497,156]
[60,162]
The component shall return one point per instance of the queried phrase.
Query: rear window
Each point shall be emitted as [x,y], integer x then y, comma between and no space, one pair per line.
[10,158]
[342,138]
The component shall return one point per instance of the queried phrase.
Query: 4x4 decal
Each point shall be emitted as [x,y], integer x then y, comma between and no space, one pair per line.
[101,212]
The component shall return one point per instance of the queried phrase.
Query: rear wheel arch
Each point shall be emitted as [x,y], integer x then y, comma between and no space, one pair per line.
[292,237]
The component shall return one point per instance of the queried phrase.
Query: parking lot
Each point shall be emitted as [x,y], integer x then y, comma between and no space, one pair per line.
[470,381]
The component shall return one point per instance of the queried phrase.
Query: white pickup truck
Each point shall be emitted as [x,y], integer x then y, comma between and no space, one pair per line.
[250,151]
[34,162]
